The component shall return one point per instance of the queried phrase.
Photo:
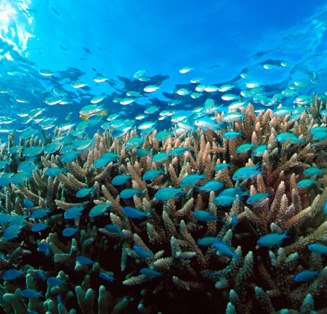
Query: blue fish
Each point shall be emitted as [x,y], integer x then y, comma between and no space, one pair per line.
[191,180]
[84,260]
[31,294]
[142,152]
[68,232]
[11,274]
[206,241]
[44,248]
[28,203]
[73,212]
[318,248]
[39,227]
[120,179]
[99,209]
[106,277]
[39,213]
[4,218]
[11,232]
[260,150]
[245,173]
[313,171]
[234,220]
[211,186]
[70,156]
[231,134]
[203,215]
[305,275]
[149,272]
[152,174]
[105,159]
[305,183]
[160,157]
[165,194]
[134,213]
[128,193]
[257,198]
[224,200]
[113,228]
[56,281]
[84,192]
[142,253]
[178,151]
[221,167]
[224,249]
[272,239]
[53,171]
[325,207]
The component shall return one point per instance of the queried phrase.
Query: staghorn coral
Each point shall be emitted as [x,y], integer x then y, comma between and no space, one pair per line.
[188,277]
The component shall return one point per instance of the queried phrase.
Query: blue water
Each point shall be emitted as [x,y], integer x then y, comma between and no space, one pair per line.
[218,39]
[48,46]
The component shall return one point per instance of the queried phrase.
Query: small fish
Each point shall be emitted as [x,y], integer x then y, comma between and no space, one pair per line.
[178,151]
[305,275]
[106,277]
[11,274]
[53,172]
[224,200]
[318,248]
[120,179]
[305,183]
[40,213]
[69,156]
[165,194]
[142,152]
[68,232]
[272,239]
[152,174]
[234,220]
[39,227]
[74,212]
[99,209]
[224,249]
[203,215]
[191,180]
[206,241]
[259,151]
[257,198]
[211,186]
[134,213]
[244,148]
[56,281]
[232,117]
[28,203]
[44,248]
[84,260]
[31,294]
[105,159]
[134,142]
[221,167]
[84,192]
[149,272]
[113,228]
[313,171]
[245,173]
[142,253]
[231,134]
[160,157]
[128,193]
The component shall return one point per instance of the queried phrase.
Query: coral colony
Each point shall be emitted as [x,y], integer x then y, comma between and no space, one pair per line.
[229,218]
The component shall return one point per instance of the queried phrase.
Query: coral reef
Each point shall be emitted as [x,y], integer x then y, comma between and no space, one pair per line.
[148,254]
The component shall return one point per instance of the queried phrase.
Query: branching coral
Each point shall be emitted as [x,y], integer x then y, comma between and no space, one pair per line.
[116,262]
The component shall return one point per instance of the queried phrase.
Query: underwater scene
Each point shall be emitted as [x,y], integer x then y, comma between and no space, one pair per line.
[162,157]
